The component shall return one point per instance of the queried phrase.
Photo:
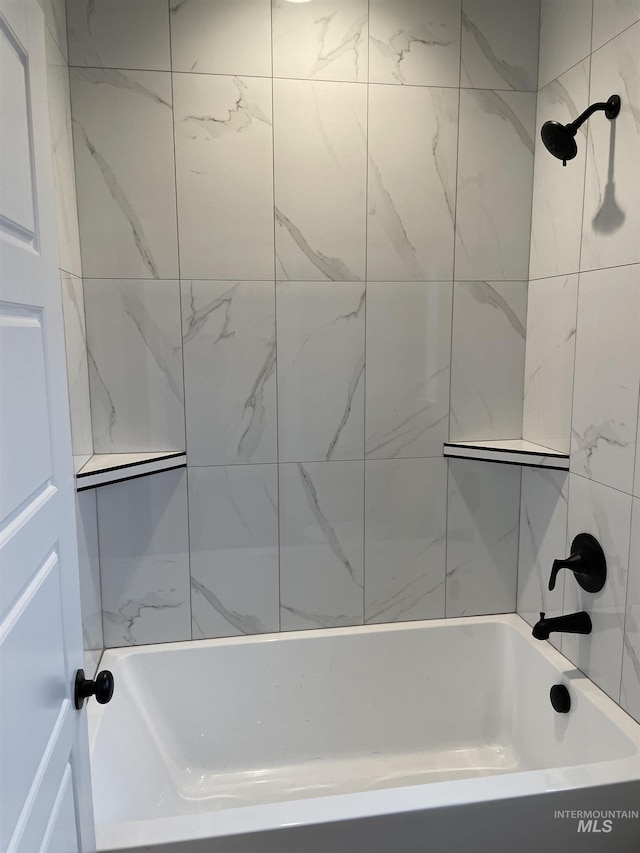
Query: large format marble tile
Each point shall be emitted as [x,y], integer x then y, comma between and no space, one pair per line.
[411,200]
[224,171]
[558,191]
[543,539]
[607,377]
[123,145]
[320,161]
[611,221]
[323,40]
[405,539]
[500,44]
[229,343]
[56,21]
[611,17]
[549,361]
[135,365]
[233,528]
[414,43]
[606,514]
[487,368]
[119,34]
[221,36]
[321,342]
[482,538]
[144,560]
[321,544]
[75,337]
[565,36]
[408,357]
[64,180]
[89,566]
[495,169]
[630,688]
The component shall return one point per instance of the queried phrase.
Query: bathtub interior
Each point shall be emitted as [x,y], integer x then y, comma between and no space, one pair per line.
[217,725]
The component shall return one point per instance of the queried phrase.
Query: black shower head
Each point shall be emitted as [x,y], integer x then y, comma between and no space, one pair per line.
[559,139]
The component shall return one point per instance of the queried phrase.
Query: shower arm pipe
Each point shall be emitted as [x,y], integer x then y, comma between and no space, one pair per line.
[610,108]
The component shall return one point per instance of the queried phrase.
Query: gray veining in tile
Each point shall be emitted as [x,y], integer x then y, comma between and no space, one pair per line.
[405,538]
[565,36]
[233,523]
[325,40]
[482,537]
[123,144]
[221,36]
[137,399]
[488,353]
[543,538]
[605,400]
[550,360]
[416,43]
[229,362]
[320,155]
[321,544]
[495,170]
[411,201]
[119,34]
[500,44]
[320,370]
[224,172]
[408,356]
[144,560]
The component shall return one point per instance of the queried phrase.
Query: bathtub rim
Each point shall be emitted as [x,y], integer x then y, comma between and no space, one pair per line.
[368,804]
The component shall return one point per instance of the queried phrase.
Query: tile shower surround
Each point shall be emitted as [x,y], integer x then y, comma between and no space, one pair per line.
[582,364]
[279,212]
[234,554]
[296,216]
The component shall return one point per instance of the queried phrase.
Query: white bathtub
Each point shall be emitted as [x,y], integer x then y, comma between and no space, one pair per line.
[426,736]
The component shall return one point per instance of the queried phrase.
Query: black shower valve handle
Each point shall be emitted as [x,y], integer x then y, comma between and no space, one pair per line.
[587,562]
[573,562]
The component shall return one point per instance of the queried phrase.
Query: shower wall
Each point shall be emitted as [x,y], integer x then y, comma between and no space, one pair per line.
[305,250]
[74,318]
[582,373]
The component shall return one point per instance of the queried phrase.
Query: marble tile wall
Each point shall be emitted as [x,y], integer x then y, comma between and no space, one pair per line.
[582,366]
[304,229]
[72,295]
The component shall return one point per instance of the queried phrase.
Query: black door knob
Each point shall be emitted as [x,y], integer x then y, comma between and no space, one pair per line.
[101,688]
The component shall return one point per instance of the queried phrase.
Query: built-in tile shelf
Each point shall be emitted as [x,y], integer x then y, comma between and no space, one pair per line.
[105,468]
[513,451]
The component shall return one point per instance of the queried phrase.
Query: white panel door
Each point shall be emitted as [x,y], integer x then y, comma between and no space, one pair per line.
[45,793]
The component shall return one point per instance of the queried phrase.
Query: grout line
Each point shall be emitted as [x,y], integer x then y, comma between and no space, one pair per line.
[180,314]
[397,281]
[296,79]
[604,485]
[366,295]
[453,291]
[515,607]
[533,184]
[579,288]
[605,43]
[275,323]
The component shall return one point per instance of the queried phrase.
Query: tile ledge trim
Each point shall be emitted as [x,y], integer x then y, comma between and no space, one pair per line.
[535,456]
[147,464]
